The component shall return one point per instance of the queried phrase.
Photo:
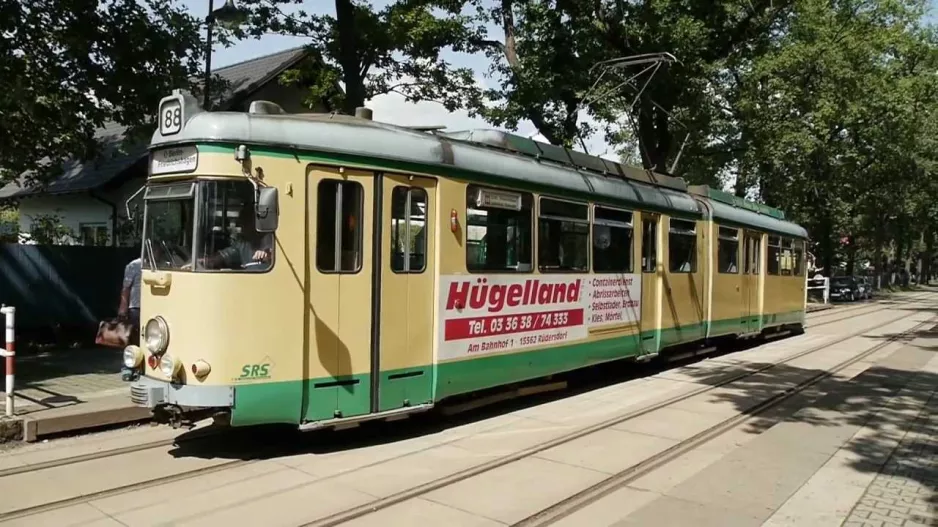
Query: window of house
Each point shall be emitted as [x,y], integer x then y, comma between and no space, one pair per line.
[563,236]
[612,240]
[775,250]
[728,250]
[93,233]
[408,230]
[498,230]
[682,246]
[339,226]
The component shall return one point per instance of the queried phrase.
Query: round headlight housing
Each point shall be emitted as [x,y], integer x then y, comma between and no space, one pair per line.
[133,357]
[169,365]
[156,335]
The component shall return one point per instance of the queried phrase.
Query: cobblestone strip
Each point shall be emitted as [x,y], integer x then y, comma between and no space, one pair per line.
[905,492]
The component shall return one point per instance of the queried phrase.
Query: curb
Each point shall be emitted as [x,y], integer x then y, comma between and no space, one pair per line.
[32,428]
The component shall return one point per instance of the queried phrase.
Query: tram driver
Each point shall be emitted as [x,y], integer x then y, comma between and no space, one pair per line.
[250,249]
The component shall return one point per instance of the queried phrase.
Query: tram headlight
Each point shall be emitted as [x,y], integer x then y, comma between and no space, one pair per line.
[133,357]
[169,366]
[157,335]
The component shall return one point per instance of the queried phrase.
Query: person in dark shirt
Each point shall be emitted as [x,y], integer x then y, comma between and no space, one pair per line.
[249,249]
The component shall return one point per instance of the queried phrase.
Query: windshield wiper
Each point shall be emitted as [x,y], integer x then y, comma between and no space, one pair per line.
[148,245]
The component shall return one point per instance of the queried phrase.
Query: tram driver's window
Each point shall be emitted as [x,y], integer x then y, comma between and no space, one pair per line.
[682,246]
[498,230]
[339,226]
[408,230]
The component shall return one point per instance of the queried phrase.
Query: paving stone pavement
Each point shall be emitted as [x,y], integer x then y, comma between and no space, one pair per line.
[66,377]
[905,493]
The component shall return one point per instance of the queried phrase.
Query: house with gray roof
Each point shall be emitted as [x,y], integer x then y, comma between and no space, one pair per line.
[90,196]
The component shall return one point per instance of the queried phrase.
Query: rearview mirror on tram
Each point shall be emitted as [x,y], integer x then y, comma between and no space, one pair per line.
[267,213]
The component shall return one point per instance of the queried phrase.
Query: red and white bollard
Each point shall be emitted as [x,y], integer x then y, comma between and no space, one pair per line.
[9,314]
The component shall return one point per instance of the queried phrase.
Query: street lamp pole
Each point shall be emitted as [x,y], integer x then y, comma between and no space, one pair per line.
[227,15]
[210,24]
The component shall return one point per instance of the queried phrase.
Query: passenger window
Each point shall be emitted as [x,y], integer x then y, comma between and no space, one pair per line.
[786,257]
[563,236]
[774,252]
[339,231]
[498,230]
[408,230]
[728,250]
[799,258]
[682,246]
[612,240]
[649,245]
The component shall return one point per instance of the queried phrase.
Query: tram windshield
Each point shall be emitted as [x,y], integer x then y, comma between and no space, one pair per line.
[204,226]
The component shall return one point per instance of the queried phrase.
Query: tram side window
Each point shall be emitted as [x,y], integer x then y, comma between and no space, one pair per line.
[728,250]
[339,226]
[682,246]
[498,230]
[786,257]
[775,250]
[408,230]
[563,236]
[612,240]
[799,258]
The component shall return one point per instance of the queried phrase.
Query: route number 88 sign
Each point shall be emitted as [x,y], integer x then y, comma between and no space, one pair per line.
[170,117]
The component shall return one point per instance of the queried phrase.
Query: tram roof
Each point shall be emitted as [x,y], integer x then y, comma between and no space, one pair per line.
[484,154]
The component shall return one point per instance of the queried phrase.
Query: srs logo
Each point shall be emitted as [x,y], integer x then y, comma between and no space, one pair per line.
[256,371]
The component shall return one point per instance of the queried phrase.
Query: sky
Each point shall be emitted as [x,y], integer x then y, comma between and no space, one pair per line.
[392,108]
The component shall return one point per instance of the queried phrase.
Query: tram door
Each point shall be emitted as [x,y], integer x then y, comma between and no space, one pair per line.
[751,273]
[403,367]
[651,283]
[339,204]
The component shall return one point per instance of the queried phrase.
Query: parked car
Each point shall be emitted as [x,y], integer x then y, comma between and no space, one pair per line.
[844,288]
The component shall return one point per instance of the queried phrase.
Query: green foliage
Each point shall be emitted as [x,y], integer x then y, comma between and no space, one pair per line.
[69,66]
[824,109]
[9,225]
[395,49]
[50,229]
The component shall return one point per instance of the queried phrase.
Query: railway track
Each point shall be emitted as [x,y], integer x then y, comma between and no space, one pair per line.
[204,434]
[404,495]
[613,483]
[860,310]
[616,481]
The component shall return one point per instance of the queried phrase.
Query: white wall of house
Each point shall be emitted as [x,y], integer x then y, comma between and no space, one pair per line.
[83,214]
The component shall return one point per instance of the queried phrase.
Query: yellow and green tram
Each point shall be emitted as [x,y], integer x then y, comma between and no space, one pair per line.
[323,269]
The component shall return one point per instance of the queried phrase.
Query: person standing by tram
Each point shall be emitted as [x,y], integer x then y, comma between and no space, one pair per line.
[129,309]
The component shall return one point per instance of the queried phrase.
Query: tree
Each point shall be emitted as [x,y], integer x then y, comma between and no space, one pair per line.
[50,229]
[396,49]
[544,63]
[832,113]
[70,66]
